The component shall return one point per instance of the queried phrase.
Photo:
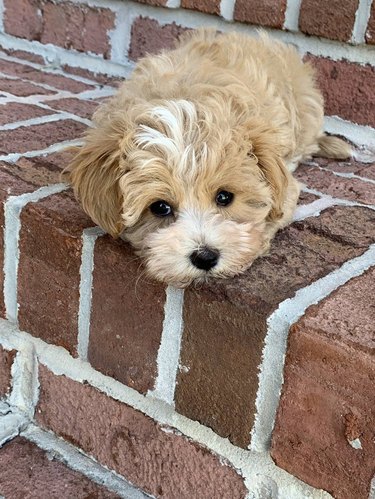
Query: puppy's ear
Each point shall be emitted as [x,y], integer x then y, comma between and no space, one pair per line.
[94,174]
[273,168]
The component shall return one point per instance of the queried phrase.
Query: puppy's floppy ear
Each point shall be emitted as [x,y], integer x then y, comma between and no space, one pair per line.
[95,171]
[266,149]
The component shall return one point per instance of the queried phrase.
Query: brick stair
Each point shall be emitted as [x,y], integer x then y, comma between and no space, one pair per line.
[112,385]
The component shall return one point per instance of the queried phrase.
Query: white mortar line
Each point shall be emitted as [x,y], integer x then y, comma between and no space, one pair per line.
[358,134]
[272,365]
[227,9]
[10,426]
[313,209]
[12,227]
[89,237]
[41,120]
[173,4]
[2,15]
[60,146]
[170,346]
[25,385]
[362,17]
[79,461]
[251,464]
[120,37]
[293,8]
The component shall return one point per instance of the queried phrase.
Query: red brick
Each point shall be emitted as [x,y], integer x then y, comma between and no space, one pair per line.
[22,18]
[149,37]
[22,88]
[334,19]
[22,54]
[370,33]
[267,13]
[340,187]
[207,6]
[37,137]
[15,111]
[348,89]
[65,24]
[34,473]
[83,108]
[77,27]
[6,361]
[150,456]
[125,330]
[306,198]
[48,273]
[328,397]
[365,170]
[103,79]
[10,185]
[217,382]
[35,75]
[42,170]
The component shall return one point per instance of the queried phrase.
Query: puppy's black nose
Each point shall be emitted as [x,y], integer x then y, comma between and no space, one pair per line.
[205,258]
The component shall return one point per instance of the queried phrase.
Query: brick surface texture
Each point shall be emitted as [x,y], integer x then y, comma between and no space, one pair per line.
[347,89]
[6,361]
[15,111]
[149,37]
[58,81]
[162,463]
[65,24]
[370,33]
[334,19]
[336,186]
[268,13]
[217,385]
[207,6]
[328,397]
[48,274]
[126,318]
[25,139]
[27,471]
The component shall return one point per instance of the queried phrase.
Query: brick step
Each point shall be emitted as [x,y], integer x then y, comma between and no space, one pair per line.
[66,283]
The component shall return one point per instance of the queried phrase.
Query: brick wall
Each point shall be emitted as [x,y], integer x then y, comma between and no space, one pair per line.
[179,392]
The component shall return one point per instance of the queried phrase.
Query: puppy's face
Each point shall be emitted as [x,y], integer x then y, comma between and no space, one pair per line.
[195,202]
[191,194]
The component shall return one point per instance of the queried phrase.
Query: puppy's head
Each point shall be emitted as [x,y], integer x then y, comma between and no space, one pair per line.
[196,189]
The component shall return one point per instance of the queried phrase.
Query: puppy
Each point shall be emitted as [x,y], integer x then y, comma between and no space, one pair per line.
[191,160]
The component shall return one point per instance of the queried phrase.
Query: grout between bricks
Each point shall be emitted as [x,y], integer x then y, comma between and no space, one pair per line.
[170,346]
[227,9]
[89,238]
[362,17]
[293,8]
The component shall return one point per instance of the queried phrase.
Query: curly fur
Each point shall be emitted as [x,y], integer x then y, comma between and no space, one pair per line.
[221,111]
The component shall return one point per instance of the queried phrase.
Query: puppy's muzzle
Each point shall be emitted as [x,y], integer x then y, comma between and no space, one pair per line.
[205,258]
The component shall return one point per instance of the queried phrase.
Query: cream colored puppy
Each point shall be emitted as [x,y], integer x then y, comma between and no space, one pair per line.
[191,160]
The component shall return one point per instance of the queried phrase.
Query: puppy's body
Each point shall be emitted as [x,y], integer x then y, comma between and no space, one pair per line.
[221,113]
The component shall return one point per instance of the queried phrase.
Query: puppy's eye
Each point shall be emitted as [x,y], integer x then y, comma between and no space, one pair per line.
[161,209]
[224,198]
